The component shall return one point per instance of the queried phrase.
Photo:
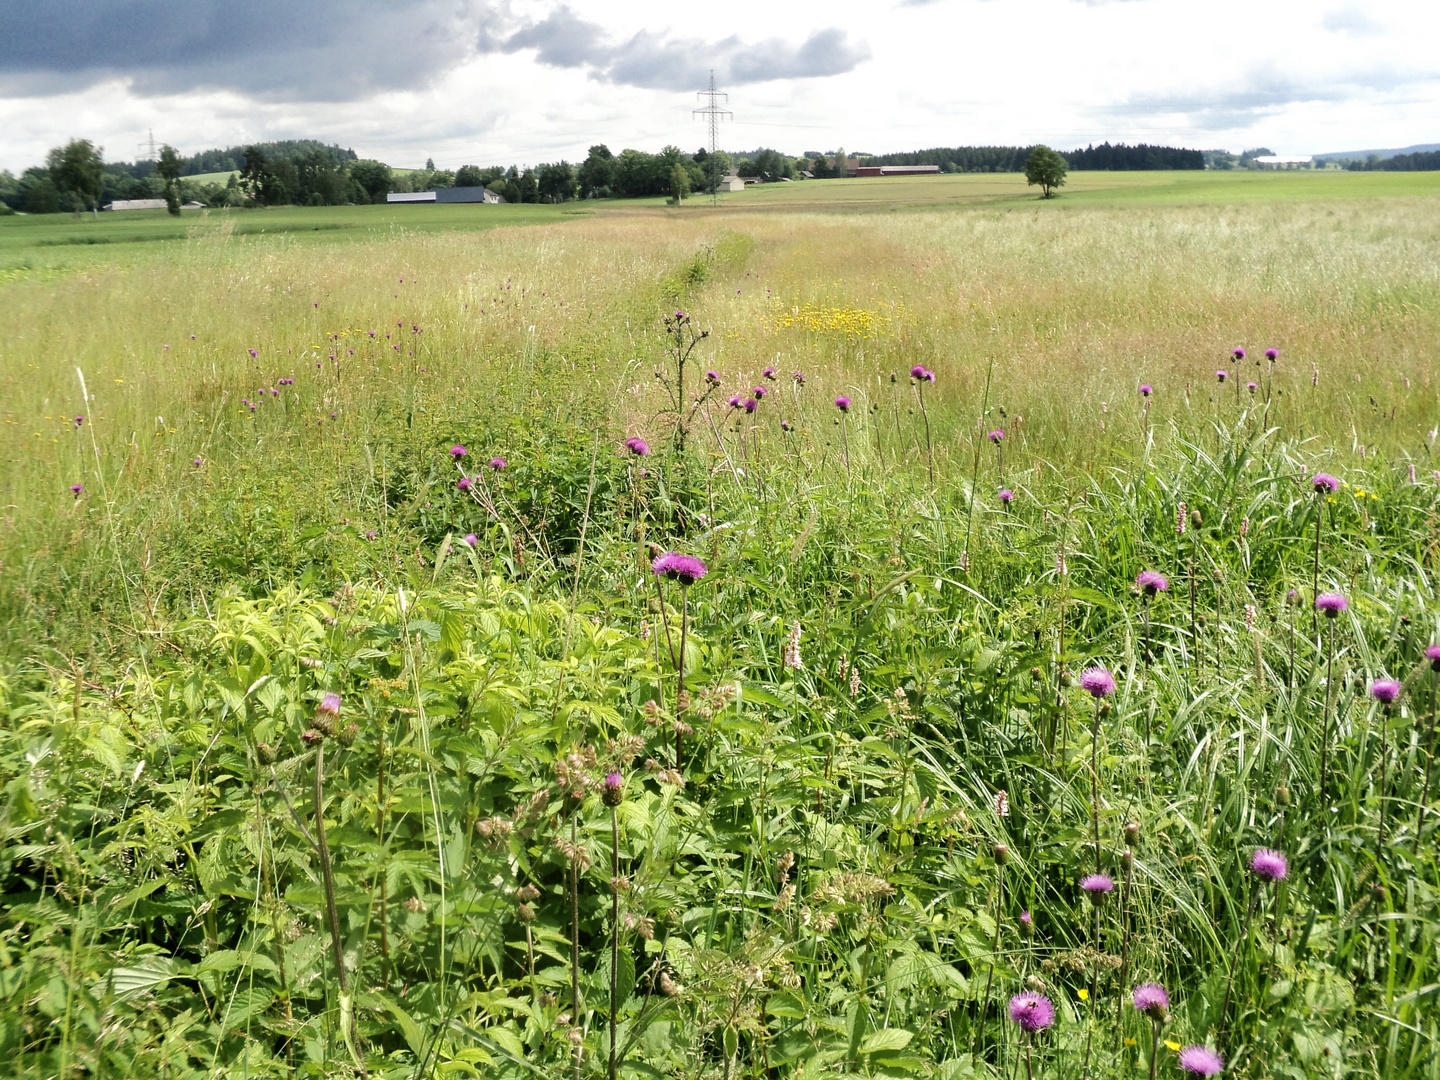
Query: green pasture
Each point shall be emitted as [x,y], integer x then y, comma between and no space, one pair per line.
[347,729]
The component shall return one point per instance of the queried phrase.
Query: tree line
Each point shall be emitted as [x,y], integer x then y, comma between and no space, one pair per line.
[1119,157]
[1420,161]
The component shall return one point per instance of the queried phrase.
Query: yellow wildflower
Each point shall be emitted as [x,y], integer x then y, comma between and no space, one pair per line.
[1172,1044]
[1084,994]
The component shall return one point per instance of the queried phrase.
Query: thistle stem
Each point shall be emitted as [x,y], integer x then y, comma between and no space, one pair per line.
[1429,762]
[680,672]
[614,931]
[1325,728]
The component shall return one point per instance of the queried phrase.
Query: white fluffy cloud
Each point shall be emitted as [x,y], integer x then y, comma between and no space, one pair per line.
[496,81]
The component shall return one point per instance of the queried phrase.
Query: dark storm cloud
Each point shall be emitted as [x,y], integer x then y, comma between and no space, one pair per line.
[327,50]
[659,61]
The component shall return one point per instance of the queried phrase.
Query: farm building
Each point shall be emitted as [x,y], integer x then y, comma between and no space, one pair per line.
[897,170]
[731,183]
[148,204]
[446,195]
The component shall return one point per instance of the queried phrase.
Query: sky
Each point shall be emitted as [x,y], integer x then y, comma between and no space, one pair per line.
[523,81]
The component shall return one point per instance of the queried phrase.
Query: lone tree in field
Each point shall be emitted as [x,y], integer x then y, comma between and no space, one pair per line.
[169,169]
[1046,168]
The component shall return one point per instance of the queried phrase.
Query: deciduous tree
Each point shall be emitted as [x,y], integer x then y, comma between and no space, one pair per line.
[1046,168]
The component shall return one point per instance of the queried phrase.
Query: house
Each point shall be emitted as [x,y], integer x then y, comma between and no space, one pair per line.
[446,195]
[898,170]
[731,183]
[148,204]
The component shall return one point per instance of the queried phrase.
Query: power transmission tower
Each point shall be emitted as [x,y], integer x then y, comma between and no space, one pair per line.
[146,151]
[713,114]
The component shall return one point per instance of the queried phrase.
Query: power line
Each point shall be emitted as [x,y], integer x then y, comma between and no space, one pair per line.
[713,114]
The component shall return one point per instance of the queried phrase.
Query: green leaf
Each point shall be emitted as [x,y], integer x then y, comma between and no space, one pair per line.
[886,1039]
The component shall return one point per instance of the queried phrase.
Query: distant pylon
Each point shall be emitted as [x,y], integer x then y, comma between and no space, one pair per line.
[145,151]
[713,114]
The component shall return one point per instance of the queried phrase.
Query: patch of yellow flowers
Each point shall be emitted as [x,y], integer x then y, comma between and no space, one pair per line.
[847,321]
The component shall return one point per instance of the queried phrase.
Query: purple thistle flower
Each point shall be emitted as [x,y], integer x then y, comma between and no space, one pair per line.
[1150,998]
[197,463]
[329,705]
[1222,375]
[751,404]
[1238,354]
[254,354]
[1033,1012]
[1331,603]
[736,401]
[799,378]
[464,483]
[918,371]
[784,425]
[713,378]
[1201,1061]
[458,451]
[1272,354]
[1146,389]
[614,780]
[638,446]
[79,420]
[996,435]
[77,490]
[1096,886]
[1385,690]
[769,373]
[842,403]
[1026,919]
[1252,386]
[929,375]
[498,463]
[686,569]
[1152,581]
[1097,681]
[1006,495]
[1432,653]
[1269,865]
[759,392]
[471,539]
[1323,481]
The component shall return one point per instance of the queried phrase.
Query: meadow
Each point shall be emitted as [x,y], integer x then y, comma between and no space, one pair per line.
[363,719]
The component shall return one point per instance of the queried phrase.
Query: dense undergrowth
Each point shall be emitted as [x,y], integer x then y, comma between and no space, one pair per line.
[817,887]
[863,827]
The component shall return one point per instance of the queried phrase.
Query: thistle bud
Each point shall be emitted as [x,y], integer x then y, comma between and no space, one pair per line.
[327,715]
[1067,679]
[1105,708]
[525,913]
[614,793]
[1282,795]
[1127,859]
[310,736]
[266,753]
[1036,674]
[1027,923]
[346,735]
[1002,854]
[1195,519]
[1132,833]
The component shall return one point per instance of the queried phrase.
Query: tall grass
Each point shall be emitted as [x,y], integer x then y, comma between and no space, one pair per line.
[817,888]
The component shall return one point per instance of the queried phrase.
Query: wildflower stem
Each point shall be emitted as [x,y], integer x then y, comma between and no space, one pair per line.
[680,672]
[575,931]
[1325,727]
[1154,1045]
[1315,568]
[1029,1069]
[1095,789]
[1240,947]
[614,930]
[1429,763]
[929,452]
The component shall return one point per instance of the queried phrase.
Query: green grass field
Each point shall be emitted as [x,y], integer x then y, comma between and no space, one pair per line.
[839,804]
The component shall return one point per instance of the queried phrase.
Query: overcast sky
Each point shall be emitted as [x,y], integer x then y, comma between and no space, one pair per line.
[501,81]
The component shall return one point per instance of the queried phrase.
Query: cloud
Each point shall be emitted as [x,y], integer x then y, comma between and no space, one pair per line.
[314,50]
[658,61]
[1353,21]
[1265,92]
